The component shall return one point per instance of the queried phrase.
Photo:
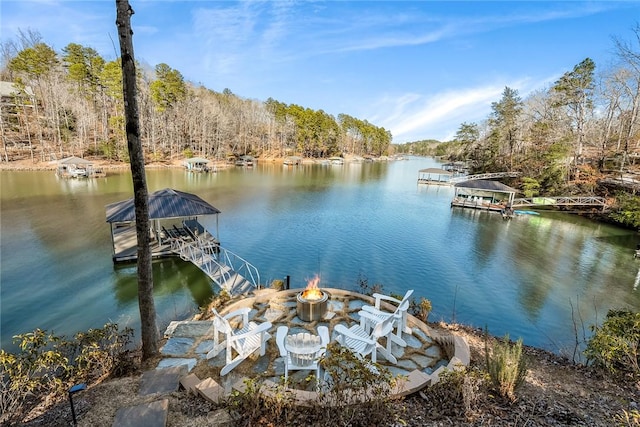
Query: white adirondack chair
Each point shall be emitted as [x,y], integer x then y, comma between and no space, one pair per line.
[302,351]
[242,341]
[376,314]
[364,342]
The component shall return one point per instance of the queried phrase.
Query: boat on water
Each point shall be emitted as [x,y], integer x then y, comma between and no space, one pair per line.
[336,160]
[522,212]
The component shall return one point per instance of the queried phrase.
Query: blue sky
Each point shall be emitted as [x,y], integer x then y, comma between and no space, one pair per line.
[417,68]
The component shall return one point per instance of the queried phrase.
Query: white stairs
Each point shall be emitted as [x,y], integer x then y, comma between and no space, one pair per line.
[218,263]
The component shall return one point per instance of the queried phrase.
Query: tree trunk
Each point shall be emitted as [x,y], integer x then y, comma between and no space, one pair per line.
[149,330]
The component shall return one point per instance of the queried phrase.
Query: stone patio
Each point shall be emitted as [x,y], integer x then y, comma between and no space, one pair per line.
[420,362]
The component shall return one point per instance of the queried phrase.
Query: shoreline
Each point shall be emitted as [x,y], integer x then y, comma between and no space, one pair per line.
[29,166]
[38,165]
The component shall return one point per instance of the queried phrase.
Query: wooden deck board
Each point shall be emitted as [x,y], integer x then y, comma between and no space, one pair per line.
[125,246]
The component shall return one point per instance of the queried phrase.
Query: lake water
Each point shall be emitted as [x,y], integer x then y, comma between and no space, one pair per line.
[532,277]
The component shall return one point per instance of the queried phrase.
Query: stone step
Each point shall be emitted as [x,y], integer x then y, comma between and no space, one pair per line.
[190,382]
[165,380]
[210,390]
[153,414]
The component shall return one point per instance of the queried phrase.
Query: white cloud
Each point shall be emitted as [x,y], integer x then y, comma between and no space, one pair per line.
[438,116]
[435,116]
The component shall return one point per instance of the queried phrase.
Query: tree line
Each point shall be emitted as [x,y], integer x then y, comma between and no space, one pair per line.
[562,137]
[70,103]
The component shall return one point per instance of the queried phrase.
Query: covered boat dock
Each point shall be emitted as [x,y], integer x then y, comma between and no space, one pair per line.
[198,164]
[176,230]
[76,167]
[483,194]
[434,176]
[172,213]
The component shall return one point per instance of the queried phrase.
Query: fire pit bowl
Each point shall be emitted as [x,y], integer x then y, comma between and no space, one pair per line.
[311,309]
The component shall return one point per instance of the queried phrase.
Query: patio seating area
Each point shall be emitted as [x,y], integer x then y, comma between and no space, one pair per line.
[261,336]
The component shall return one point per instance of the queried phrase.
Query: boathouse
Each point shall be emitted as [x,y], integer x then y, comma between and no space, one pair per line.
[177,230]
[197,164]
[434,176]
[173,215]
[483,194]
[75,167]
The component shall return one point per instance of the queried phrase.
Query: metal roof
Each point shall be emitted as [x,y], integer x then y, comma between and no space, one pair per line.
[436,171]
[167,203]
[73,160]
[196,160]
[483,184]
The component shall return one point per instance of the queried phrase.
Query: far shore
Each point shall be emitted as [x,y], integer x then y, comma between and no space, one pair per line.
[28,165]
[38,165]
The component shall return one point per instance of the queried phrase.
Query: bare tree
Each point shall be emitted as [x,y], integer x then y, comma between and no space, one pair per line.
[146,305]
[629,56]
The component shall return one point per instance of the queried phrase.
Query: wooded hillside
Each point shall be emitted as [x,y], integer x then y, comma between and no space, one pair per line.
[56,104]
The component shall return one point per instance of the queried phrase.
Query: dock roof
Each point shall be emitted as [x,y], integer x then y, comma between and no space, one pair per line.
[73,160]
[167,203]
[436,171]
[196,160]
[483,184]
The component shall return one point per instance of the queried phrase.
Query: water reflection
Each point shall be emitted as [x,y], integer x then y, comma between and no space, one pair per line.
[170,275]
[528,276]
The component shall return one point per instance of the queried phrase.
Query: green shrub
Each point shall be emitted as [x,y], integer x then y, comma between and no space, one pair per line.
[615,345]
[47,365]
[355,391]
[101,352]
[420,309]
[253,407]
[530,187]
[506,367]
[456,393]
[627,210]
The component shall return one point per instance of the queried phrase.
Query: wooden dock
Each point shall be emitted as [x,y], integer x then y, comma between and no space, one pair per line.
[125,245]
[540,202]
[465,202]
